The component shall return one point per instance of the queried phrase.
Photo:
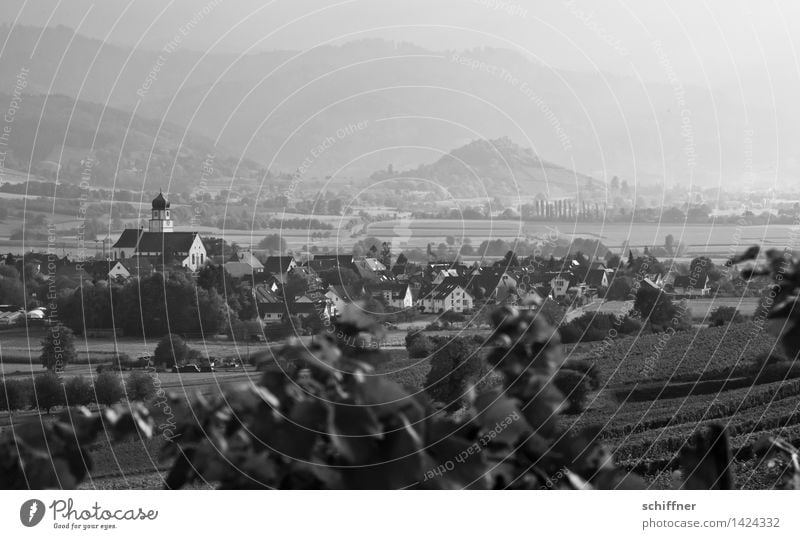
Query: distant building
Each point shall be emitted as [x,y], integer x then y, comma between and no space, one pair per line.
[280,266]
[445,296]
[161,244]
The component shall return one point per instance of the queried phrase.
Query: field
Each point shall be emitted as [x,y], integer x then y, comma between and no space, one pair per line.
[718,241]
[655,393]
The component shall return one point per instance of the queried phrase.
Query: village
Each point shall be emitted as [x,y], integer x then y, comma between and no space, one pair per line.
[313,290]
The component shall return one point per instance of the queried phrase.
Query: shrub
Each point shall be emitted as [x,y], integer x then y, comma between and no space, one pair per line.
[454,367]
[108,388]
[170,351]
[724,315]
[574,386]
[78,391]
[58,347]
[420,347]
[15,394]
[47,391]
[140,386]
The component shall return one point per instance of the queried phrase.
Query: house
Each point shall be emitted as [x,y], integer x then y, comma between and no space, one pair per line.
[247,257]
[327,262]
[395,295]
[494,285]
[138,266]
[101,270]
[448,295]
[279,267]
[597,278]
[272,313]
[161,243]
[370,269]
[692,285]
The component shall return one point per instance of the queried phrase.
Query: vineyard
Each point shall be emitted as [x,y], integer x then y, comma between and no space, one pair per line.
[656,392]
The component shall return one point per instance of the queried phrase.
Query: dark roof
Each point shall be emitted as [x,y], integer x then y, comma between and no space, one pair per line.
[594,277]
[397,290]
[271,308]
[441,290]
[160,203]
[331,261]
[129,238]
[278,264]
[685,281]
[138,265]
[166,242]
[98,268]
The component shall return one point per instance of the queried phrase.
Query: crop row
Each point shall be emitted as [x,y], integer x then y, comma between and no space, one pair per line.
[682,355]
[667,441]
[640,416]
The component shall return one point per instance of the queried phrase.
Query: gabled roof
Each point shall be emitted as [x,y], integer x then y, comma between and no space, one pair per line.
[138,265]
[263,294]
[441,290]
[128,239]
[166,242]
[278,264]
[594,277]
[397,290]
[249,258]
[346,292]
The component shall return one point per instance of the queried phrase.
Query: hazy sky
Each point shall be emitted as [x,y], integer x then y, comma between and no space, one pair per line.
[705,42]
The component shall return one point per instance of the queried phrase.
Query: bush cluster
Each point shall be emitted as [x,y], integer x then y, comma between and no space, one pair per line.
[46,391]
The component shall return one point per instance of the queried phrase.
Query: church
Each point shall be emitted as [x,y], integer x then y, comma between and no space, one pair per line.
[161,243]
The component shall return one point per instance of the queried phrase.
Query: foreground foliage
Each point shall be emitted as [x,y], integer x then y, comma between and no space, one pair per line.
[321,417]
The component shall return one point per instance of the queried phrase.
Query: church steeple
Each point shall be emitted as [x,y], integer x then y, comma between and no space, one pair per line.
[160,220]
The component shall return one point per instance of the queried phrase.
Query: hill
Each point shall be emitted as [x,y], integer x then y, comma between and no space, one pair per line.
[87,140]
[279,107]
[487,168]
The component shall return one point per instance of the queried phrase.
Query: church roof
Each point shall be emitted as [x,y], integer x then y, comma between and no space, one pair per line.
[166,242]
[128,239]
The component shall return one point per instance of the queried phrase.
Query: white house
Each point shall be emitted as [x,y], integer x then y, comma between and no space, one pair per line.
[396,295]
[445,296]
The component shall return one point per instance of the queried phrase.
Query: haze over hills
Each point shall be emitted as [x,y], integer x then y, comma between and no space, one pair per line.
[483,169]
[348,110]
[100,143]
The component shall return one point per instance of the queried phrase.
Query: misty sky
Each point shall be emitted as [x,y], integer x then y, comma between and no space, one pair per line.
[708,43]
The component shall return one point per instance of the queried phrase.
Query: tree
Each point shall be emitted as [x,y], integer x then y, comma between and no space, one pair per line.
[78,391]
[171,351]
[619,289]
[58,348]
[139,386]
[669,243]
[654,306]
[418,345]
[455,366]
[47,391]
[108,388]
[15,394]
[273,243]
[724,315]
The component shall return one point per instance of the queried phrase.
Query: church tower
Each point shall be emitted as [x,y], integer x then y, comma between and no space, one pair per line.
[161,220]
